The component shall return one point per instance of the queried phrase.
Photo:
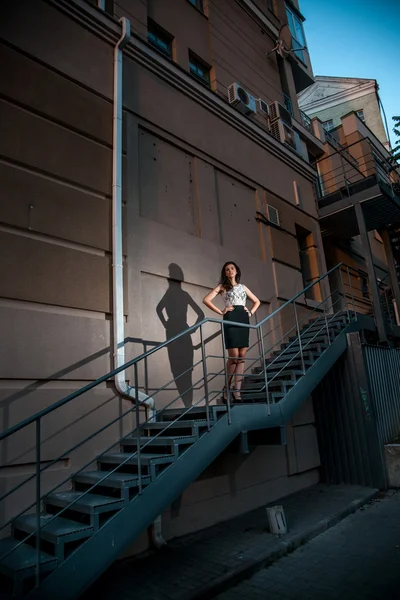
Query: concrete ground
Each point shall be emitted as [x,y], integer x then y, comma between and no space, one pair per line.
[206,563]
[358,559]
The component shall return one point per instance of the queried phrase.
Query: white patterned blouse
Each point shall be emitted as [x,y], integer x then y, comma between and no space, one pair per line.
[235,297]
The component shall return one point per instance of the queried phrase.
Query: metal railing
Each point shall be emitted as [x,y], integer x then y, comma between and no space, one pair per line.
[209,382]
[342,173]
[307,123]
[340,148]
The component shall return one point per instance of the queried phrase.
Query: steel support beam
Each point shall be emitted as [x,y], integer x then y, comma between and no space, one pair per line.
[380,324]
[391,266]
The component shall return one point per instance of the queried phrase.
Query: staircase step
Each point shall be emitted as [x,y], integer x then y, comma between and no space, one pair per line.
[57,527]
[150,464]
[89,504]
[164,440]
[294,365]
[291,374]
[262,397]
[115,480]
[189,427]
[196,412]
[281,361]
[311,348]
[274,386]
[22,561]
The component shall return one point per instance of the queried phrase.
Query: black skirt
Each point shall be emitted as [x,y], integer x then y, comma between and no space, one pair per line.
[236,337]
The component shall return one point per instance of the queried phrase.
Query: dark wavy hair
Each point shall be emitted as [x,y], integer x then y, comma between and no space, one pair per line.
[224,281]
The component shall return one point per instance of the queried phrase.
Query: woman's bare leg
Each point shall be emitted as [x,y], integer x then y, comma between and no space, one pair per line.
[239,372]
[233,354]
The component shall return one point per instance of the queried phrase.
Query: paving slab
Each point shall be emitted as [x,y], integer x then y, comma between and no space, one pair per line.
[203,564]
[358,559]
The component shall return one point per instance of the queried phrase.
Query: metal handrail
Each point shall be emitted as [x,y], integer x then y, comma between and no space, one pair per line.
[133,361]
[207,397]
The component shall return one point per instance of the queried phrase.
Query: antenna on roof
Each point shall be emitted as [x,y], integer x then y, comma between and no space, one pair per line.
[284,43]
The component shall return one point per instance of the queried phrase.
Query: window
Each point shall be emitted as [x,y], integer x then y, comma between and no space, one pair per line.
[296,29]
[199,69]
[360,114]
[159,38]
[328,125]
[106,5]
[197,3]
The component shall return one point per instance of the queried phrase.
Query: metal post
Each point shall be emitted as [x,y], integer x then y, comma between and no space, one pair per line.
[380,325]
[299,337]
[37,576]
[205,377]
[265,371]
[228,396]
[344,174]
[342,287]
[384,233]
[135,367]
[327,326]
[351,293]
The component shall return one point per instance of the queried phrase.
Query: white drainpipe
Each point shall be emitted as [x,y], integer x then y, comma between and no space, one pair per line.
[118,282]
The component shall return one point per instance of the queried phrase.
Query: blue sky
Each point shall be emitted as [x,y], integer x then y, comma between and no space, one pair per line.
[357,38]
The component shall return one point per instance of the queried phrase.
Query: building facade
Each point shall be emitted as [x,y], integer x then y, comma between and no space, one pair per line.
[205,179]
[331,98]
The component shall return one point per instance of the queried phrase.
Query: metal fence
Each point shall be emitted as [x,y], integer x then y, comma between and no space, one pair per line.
[383,367]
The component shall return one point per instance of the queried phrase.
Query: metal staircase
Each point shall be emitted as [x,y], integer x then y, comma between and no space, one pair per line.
[74,534]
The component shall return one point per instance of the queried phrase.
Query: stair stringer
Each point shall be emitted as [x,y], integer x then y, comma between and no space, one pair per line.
[74,575]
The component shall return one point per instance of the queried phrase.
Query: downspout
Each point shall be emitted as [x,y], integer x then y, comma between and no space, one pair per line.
[118,282]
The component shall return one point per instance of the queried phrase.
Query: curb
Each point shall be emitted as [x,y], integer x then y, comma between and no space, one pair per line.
[235,576]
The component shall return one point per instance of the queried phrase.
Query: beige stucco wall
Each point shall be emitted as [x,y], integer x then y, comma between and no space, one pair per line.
[368,103]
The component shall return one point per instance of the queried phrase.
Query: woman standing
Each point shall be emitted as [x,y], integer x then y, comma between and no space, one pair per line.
[236,338]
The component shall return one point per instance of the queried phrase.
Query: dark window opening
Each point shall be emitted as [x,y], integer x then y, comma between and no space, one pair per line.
[305,243]
[199,69]
[106,5]
[159,38]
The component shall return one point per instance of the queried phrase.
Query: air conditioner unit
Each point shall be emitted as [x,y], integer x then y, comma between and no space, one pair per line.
[264,107]
[277,111]
[273,215]
[241,99]
[282,132]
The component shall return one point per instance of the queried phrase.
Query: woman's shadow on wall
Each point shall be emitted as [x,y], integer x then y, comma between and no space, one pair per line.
[172,312]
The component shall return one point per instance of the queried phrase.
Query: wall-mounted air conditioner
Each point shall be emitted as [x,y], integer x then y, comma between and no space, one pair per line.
[264,107]
[241,99]
[278,111]
[273,215]
[282,132]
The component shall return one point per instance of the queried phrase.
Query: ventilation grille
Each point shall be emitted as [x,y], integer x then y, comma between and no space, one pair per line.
[275,131]
[273,215]
[232,93]
[277,111]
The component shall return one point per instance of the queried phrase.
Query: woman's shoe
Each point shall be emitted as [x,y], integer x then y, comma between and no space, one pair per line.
[224,395]
[236,396]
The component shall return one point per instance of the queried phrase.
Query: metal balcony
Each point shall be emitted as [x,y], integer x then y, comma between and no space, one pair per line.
[358,173]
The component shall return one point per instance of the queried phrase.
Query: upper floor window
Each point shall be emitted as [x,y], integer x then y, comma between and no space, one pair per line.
[197,3]
[360,114]
[106,5]
[199,69]
[159,38]
[296,29]
[328,125]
